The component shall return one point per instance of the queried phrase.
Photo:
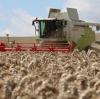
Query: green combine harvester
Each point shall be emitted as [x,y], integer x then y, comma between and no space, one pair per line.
[61,31]
[61,27]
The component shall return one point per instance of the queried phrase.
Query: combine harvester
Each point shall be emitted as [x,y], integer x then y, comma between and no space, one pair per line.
[61,31]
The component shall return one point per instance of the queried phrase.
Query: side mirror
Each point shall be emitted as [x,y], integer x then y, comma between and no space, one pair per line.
[33,23]
[98,27]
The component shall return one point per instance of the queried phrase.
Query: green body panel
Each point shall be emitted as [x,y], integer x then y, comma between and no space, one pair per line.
[86,39]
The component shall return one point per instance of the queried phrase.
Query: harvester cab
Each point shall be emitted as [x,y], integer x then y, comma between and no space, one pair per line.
[50,34]
[50,28]
[65,27]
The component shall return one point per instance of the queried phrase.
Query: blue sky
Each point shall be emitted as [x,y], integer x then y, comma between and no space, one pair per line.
[16,15]
[34,7]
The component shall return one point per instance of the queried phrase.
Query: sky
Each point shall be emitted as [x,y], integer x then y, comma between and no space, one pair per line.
[16,15]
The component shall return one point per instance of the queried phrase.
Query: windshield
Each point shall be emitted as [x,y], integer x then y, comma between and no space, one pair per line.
[50,28]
